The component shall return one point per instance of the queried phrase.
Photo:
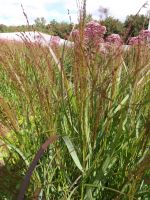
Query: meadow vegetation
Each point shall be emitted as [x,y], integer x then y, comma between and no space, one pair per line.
[97,106]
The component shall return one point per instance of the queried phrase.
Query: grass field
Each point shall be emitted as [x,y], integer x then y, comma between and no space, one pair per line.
[99,107]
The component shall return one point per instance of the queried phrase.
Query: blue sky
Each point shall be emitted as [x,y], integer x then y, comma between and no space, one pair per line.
[11,12]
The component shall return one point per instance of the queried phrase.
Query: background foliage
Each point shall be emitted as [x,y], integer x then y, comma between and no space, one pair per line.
[62,29]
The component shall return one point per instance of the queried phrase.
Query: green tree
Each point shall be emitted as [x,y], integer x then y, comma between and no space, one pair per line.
[88,18]
[113,26]
[40,22]
[134,24]
[61,29]
[3,28]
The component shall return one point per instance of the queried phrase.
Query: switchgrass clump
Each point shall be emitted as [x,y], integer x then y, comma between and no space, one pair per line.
[98,106]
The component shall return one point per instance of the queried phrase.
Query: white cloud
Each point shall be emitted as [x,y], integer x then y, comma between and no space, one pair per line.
[117,8]
[11,12]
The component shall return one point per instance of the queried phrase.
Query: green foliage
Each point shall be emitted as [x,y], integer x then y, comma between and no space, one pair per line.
[3,28]
[135,23]
[97,104]
[40,22]
[113,26]
[61,29]
[131,27]
[88,18]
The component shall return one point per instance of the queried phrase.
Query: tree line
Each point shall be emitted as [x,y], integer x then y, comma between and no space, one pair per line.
[130,27]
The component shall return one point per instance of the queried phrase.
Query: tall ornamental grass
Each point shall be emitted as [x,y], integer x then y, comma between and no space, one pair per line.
[97,103]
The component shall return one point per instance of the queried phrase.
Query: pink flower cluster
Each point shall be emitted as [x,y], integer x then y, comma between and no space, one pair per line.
[93,34]
[143,37]
[75,34]
[135,40]
[145,34]
[114,39]
[55,40]
[94,37]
